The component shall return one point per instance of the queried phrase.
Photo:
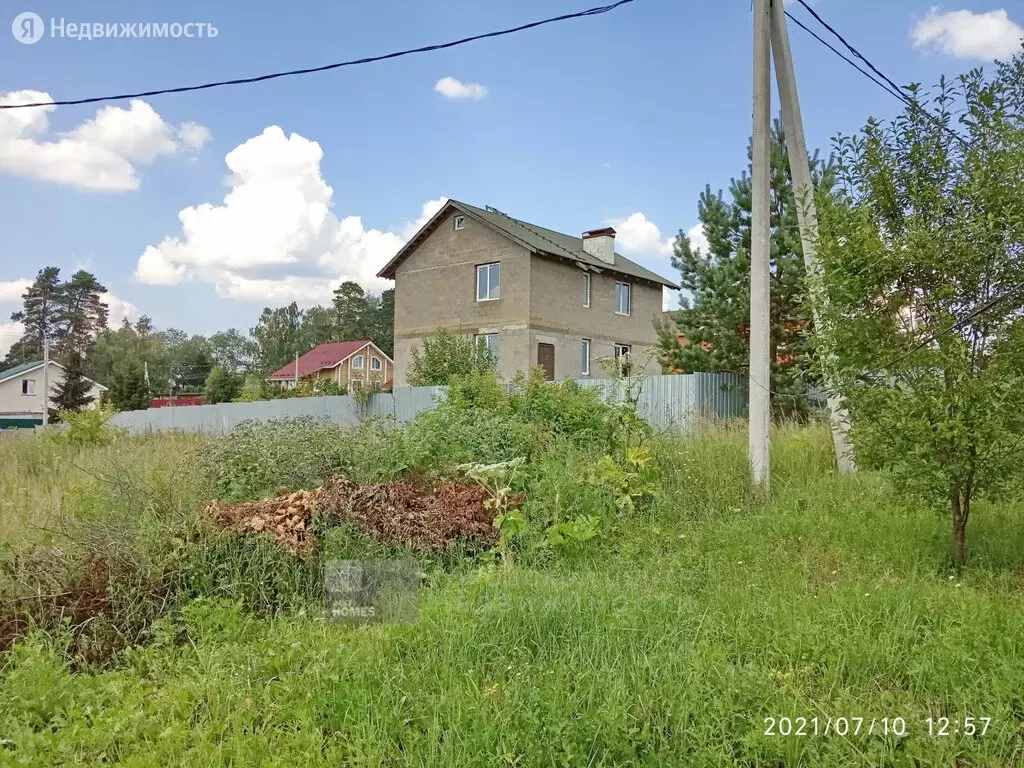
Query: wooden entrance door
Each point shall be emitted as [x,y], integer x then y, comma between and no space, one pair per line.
[546,359]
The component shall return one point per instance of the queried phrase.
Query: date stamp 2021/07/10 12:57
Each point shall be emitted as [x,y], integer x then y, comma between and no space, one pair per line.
[938,727]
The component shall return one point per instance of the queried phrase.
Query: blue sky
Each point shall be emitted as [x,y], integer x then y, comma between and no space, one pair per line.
[616,118]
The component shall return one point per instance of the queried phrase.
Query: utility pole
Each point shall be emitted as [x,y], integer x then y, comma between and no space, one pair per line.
[46,380]
[296,368]
[145,372]
[807,215]
[760,254]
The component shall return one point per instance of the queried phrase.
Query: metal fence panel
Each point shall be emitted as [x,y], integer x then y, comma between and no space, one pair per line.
[666,402]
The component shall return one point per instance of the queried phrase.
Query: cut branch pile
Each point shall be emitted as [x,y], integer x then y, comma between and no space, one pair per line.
[418,517]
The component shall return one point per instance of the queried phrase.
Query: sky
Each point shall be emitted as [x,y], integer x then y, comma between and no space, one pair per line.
[199,209]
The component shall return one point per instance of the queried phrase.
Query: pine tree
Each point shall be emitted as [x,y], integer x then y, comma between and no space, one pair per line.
[72,394]
[353,310]
[41,316]
[82,316]
[711,332]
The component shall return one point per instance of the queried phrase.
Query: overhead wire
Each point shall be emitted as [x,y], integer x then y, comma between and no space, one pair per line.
[325,67]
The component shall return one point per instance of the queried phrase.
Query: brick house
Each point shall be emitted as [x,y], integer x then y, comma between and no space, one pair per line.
[533,295]
[346,363]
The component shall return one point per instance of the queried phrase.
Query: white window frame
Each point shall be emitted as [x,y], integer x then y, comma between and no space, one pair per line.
[460,222]
[585,357]
[357,363]
[623,350]
[28,387]
[485,338]
[485,269]
[629,299]
[587,286]
[376,364]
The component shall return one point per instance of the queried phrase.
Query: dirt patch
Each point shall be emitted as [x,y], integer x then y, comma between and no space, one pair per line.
[414,515]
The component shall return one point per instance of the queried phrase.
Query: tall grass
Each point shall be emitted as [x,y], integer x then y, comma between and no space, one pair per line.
[690,622]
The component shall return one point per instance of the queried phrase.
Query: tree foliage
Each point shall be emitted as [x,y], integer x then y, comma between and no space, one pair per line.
[714,318]
[73,392]
[923,251]
[446,355]
[71,315]
[221,386]
[128,390]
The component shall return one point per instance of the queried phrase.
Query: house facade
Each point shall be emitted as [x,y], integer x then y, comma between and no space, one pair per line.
[22,393]
[534,296]
[348,364]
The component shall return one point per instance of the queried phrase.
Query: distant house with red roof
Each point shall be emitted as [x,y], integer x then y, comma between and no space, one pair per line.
[346,363]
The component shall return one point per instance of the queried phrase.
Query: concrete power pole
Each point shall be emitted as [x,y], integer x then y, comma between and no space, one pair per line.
[46,380]
[760,254]
[807,213]
[296,369]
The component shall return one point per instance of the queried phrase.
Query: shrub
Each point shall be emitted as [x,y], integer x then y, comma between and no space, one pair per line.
[260,458]
[445,356]
[89,427]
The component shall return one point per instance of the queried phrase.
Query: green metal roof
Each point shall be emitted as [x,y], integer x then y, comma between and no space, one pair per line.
[538,239]
[10,373]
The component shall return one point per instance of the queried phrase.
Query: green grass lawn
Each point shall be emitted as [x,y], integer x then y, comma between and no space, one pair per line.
[668,643]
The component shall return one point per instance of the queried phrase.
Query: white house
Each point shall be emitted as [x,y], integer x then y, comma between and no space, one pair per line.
[21,393]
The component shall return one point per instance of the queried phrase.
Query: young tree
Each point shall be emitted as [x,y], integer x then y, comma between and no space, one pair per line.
[221,386]
[923,264]
[128,390]
[446,355]
[715,316]
[72,393]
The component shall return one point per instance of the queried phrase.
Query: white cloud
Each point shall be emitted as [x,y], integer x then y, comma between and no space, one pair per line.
[274,238]
[99,154]
[968,35]
[637,234]
[119,310]
[11,290]
[451,88]
[9,333]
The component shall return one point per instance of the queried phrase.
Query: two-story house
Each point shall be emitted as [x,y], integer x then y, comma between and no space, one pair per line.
[532,295]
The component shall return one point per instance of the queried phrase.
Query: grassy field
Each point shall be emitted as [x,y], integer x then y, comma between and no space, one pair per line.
[669,640]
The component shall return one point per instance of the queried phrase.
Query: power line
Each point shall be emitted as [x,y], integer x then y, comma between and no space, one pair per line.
[889,86]
[847,59]
[337,65]
[849,47]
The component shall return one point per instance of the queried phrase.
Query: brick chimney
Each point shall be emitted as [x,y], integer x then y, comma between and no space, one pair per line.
[600,243]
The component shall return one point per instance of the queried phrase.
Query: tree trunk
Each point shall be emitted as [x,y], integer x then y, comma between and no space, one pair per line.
[961,508]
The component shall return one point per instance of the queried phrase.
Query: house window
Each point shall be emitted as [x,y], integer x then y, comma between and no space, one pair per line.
[460,222]
[357,363]
[622,350]
[623,305]
[375,364]
[490,341]
[585,357]
[488,281]
[622,358]
[586,291]
[28,386]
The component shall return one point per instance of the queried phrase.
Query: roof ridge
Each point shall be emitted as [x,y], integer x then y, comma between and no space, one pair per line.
[533,228]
